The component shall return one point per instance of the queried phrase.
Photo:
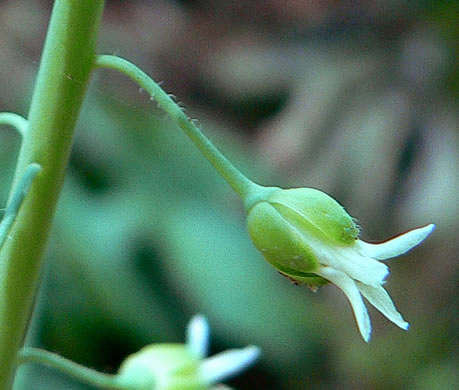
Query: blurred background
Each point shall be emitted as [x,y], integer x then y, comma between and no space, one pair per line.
[356,98]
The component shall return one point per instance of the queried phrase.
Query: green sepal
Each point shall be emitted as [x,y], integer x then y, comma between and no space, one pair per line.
[161,367]
[308,279]
[279,241]
[314,212]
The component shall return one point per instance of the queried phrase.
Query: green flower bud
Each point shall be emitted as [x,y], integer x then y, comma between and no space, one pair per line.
[280,226]
[309,237]
[162,367]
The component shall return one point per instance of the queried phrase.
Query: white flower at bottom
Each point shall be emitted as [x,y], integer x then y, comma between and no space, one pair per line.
[357,271]
[183,366]
[308,237]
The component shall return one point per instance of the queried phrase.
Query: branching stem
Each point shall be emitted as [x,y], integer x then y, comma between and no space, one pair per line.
[15,202]
[15,120]
[75,370]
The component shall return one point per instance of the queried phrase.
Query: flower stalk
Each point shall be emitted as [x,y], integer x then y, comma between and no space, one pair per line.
[243,186]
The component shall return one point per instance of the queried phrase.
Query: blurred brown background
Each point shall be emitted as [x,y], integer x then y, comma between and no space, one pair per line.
[356,98]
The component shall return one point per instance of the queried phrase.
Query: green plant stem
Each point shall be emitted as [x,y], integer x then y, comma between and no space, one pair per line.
[15,120]
[66,65]
[239,182]
[75,370]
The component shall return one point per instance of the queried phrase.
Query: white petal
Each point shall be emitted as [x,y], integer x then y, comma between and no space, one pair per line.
[198,336]
[349,288]
[351,260]
[398,245]
[227,364]
[381,300]
[358,267]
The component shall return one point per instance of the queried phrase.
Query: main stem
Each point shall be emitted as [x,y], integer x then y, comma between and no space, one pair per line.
[66,64]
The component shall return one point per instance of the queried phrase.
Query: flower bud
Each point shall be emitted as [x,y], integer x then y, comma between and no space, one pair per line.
[162,367]
[281,225]
[308,237]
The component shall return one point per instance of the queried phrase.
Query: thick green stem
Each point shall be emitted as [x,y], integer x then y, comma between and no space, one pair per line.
[81,373]
[240,183]
[66,65]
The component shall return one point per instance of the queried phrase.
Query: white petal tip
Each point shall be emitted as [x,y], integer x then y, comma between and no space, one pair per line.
[228,363]
[252,354]
[398,245]
[381,300]
[365,328]
[198,336]
[400,322]
[426,230]
[416,236]
[366,333]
